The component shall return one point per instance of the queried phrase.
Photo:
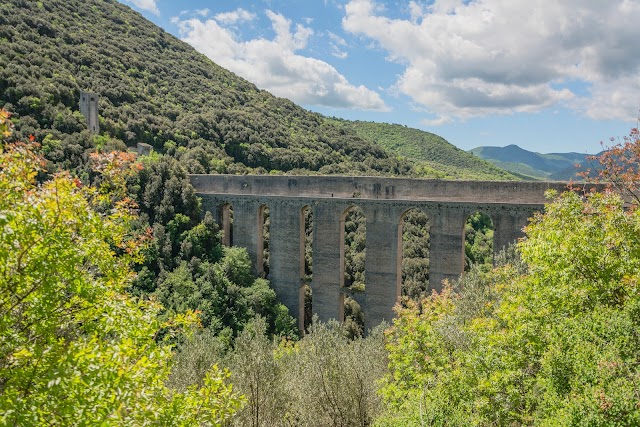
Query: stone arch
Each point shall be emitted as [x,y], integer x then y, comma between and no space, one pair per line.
[305,298]
[352,263]
[478,233]
[413,252]
[352,221]
[226,219]
[306,243]
[262,262]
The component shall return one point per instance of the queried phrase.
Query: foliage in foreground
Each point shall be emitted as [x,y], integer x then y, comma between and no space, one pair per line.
[325,379]
[75,349]
[550,339]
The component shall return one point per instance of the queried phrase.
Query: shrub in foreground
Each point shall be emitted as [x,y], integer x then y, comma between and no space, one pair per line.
[75,349]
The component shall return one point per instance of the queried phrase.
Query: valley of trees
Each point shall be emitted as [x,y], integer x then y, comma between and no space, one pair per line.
[546,337]
[119,304]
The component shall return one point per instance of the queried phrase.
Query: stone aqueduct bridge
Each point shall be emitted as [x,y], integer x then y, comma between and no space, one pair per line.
[384,202]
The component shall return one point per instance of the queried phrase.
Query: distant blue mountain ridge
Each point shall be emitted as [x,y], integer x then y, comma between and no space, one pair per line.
[536,166]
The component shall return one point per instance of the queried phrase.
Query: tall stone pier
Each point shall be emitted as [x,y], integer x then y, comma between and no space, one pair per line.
[384,202]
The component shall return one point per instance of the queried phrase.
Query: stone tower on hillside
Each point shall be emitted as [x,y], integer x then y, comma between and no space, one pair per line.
[89,109]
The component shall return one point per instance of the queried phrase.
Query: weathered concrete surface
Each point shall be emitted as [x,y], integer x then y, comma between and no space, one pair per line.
[284,253]
[384,201]
[247,230]
[518,192]
[381,262]
[327,268]
[447,243]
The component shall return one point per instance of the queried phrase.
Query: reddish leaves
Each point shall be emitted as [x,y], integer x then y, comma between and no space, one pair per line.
[618,166]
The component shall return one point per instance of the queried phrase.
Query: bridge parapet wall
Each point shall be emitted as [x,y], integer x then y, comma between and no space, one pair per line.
[509,192]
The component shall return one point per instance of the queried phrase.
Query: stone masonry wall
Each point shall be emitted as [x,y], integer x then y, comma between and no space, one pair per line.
[384,201]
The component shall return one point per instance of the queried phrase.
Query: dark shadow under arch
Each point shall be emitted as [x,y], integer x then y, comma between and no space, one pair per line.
[306,243]
[352,267]
[263,241]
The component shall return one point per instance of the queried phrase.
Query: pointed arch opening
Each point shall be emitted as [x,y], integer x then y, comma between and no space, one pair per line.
[263,241]
[478,241]
[414,241]
[226,216]
[305,314]
[353,231]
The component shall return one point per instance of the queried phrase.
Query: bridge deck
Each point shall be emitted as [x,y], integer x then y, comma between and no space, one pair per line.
[372,188]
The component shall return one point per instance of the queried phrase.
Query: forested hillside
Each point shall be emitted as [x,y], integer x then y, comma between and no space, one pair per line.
[434,155]
[552,166]
[156,89]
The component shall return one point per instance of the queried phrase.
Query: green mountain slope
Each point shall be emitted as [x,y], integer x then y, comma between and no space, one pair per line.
[556,166]
[156,89]
[436,156]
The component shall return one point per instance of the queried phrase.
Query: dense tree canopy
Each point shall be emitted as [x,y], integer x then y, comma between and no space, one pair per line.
[75,349]
[325,379]
[156,89]
[549,337]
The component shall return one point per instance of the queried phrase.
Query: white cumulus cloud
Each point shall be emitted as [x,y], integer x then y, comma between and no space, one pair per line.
[464,59]
[149,5]
[276,65]
[233,17]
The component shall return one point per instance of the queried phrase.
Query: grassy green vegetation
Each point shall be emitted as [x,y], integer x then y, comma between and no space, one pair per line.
[435,157]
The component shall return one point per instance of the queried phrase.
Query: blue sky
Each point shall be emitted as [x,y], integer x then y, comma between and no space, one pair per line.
[548,76]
